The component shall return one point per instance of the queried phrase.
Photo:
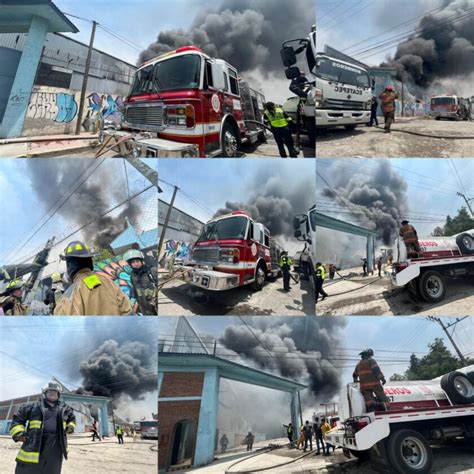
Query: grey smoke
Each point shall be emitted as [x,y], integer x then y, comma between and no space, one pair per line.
[301,349]
[274,198]
[245,33]
[376,198]
[442,49]
[114,369]
[52,180]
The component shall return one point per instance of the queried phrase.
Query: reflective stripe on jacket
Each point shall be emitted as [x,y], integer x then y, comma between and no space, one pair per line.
[278,120]
[369,374]
[408,233]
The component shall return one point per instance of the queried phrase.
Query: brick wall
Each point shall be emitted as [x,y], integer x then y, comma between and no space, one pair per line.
[182,384]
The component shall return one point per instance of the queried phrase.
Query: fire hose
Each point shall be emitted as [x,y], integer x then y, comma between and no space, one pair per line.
[421,134]
[355,289]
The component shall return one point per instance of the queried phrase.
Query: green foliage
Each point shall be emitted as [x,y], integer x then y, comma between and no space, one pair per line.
[454,225]
[104,254]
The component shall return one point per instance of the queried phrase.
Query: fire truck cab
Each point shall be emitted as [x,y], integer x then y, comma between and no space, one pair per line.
[450,106]
[186,104]
[233,250]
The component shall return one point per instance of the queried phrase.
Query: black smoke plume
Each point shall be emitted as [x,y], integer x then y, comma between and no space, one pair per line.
[443,48]
[117,369]
[52,180]
[246,33]
[377,199]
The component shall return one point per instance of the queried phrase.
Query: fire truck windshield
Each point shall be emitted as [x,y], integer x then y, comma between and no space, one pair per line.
[443,101]
[182,72]
[229,228]
[332,70]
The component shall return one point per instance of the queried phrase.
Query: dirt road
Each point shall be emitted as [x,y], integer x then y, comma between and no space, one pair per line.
[374,296]
[373,142]
[178,298]
[86,457]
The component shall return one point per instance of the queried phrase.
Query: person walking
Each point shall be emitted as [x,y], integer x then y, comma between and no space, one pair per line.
[119,434]
[373,112]
[379,266]
[95,431]
[249,439]
[224,442]
[325,427]
[308,436]
[320,276]
[319,437]
[388,98]
[285,265]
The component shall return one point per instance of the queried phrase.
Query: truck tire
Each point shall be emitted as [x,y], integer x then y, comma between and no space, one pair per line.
[465,243]
[350,127]
[230,141]
[259,280]
[409,452]
[361,455]
[432,286]
[458,387]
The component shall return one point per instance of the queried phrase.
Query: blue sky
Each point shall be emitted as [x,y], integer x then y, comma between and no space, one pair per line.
[342,23]
[33,350]
[25,209]
[402,334]
[432,183]
[139,21]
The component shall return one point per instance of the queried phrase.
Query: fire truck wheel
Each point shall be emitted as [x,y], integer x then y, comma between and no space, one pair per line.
[408,451]
[230,141]
[458,387]
[361,455]
[432,286]
[465,243]
[259,280]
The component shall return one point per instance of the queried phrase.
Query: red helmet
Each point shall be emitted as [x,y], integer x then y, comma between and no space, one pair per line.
[389,88]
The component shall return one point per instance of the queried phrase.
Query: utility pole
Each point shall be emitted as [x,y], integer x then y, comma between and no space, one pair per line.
[445,329]
[147,171]
[84,81]
[467,202]
[167,218]
[403,94]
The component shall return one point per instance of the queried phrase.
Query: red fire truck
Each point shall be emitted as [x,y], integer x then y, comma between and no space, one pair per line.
[185,103]
[440,258]
[233,250]
[450,106]
[420,414]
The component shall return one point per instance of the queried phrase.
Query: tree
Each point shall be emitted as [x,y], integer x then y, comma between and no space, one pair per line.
[438,361]
[104,254]
[454,225]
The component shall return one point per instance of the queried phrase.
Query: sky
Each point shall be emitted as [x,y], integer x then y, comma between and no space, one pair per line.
[26,208]
[343,23]
[401,334]
[34,350]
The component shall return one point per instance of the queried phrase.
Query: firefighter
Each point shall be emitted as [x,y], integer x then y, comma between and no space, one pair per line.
[332,271]
[368,373]
[249,439]
[280,124]
[144,283]
[42,427]
[89,293]
[54,294]
[373,112]
[285,265]
[388,98]
[320,276]
[12,303]
[119,434]
[410,237]
[224,443]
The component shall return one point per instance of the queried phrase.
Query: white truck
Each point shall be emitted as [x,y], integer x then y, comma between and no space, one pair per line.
[304,226]
[343,93]
[421,414]
[304,108]
[440,258]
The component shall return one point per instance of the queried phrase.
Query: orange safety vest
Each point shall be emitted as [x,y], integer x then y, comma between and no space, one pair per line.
[369,374]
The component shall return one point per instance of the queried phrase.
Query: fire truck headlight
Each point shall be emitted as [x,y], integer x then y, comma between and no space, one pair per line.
[181,116]
[136,151]
[229,255]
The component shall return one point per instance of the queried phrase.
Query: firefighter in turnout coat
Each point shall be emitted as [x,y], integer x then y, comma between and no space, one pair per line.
[42,427]
[371,379]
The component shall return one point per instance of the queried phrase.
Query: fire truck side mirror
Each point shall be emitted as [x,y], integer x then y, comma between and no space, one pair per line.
[292,72]
[297,234]
[288,56]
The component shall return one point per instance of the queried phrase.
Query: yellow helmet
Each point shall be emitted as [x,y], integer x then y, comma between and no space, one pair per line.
[15,285]
[56,277]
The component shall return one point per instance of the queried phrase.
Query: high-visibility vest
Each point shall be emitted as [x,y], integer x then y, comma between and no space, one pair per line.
[321,272]
[278,120]
[285,261]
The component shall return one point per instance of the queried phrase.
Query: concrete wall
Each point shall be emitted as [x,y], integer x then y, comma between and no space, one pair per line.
[9,59]
[53,111]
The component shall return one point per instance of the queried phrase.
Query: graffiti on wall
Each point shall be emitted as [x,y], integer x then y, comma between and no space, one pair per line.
[118,270]
[101,108]
[178,250]
[55,106]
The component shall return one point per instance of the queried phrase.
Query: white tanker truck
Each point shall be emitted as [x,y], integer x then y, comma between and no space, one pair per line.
[440,258]
[421,414]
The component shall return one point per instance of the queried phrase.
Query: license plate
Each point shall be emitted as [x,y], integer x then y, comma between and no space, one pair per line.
[205,281]
[346,452]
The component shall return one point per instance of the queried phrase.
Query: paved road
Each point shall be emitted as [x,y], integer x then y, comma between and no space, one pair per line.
[373,142]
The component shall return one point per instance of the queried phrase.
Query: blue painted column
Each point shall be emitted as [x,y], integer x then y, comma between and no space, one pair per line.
[206,435]
[103,418]
[295,414]
[370,251]
[15,112]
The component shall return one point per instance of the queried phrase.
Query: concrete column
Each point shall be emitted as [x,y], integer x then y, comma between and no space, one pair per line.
[103,419]
[15,112]
[206,433]
[370,251]
[295,414]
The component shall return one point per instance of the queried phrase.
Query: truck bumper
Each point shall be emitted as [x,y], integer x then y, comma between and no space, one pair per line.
[211,279]
[334,118]
[140,145]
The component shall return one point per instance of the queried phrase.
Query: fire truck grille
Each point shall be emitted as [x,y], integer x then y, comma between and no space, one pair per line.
[150,116]
[206,255]
[344,104]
